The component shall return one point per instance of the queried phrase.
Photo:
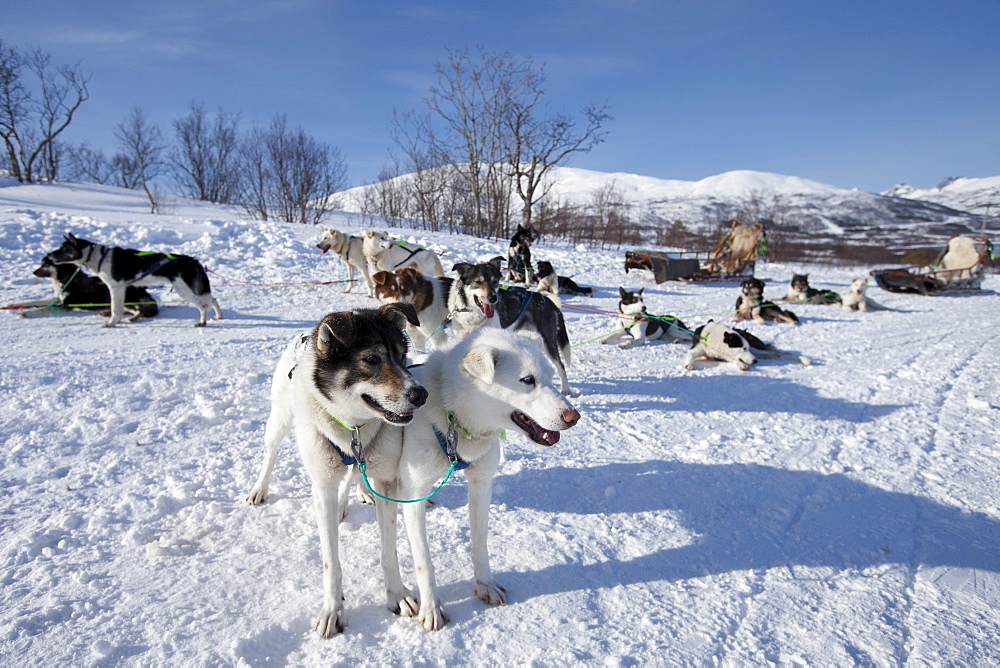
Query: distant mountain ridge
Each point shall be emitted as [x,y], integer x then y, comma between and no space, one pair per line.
[902,216]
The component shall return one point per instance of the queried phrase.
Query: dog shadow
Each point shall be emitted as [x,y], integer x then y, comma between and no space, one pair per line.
[742,517]
[745,392]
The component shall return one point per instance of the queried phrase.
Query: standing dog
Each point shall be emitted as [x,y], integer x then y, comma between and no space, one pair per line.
[857,298]
[336,386]
[751,305]
[715,341]
[387,254]
[799,290]
[549,281]
[643,327]
[122,267]
[428,295]
[77,290]
[351,250]
[519,267]
[490,382]
[476,297]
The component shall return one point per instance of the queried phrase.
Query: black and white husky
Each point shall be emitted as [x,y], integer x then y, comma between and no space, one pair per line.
[641,326]
[337,386]
[122,267]
[489,382]
[351,250]
[76,290]
[519,267]
[751,305]
[476,300]
[714,341]
[548,281]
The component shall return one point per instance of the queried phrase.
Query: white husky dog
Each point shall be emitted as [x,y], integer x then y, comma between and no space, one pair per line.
[350,249]
[387,254]
[491,381]
[336,386]
[857,298]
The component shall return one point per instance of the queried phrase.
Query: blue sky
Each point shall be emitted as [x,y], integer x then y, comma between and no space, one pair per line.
[854,94]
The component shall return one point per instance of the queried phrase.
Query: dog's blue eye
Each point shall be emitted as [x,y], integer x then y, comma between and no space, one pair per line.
[528,380]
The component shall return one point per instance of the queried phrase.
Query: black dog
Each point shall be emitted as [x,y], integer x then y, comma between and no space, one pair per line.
[750,305]
[548,281]
[77,290]
[800,291]
[519,267]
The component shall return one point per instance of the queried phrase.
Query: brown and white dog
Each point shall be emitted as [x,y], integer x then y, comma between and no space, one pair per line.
[750,305]
[428,295]
[350,249]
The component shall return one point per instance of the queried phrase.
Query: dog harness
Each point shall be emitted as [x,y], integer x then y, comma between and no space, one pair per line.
[449,443]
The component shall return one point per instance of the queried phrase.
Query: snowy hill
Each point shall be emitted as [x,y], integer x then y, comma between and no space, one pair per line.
[963,194]
[807,209]
[839,514]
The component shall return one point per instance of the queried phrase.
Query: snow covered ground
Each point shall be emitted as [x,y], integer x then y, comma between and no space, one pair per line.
[843,513]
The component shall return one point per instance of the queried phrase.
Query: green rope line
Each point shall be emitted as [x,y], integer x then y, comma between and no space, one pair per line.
[362,466]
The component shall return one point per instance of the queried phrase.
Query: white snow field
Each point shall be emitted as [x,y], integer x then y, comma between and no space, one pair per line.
[845,513]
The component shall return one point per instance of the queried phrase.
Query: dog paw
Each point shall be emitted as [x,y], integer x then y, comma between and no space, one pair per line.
[402,603]
[257,496]
[432,618]
[491,593]
[330,622]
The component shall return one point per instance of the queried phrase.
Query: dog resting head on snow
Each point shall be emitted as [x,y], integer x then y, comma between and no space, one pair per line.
[715,341]
[491,381]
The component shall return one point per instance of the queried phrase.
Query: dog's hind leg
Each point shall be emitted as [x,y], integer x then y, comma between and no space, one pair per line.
[117,305]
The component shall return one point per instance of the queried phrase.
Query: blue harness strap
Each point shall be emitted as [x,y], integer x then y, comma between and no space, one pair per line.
[448,447]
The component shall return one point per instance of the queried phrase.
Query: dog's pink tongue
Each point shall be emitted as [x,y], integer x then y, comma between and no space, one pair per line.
[323,250]
[488,310]
[551,437]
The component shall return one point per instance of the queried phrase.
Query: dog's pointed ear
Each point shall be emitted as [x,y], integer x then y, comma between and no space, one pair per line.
[481,363]
[412,272]
[380,277]
[640,291]
[461,268]
[335,331]
[496,262]
[400,314]
[623,292]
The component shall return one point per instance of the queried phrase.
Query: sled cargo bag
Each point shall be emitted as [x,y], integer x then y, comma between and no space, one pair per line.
[664,267]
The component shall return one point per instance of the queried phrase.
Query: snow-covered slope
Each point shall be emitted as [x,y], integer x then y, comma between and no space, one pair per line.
[839,514]
[961,193]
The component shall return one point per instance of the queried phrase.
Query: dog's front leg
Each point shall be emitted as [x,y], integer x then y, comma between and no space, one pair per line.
[430,615]
[398,598]
[332,618]
[480,492]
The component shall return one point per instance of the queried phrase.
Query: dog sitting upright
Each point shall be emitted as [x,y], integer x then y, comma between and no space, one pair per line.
[489,382]
[519,269]
[548,281]
[750,305]
[428,295]
[800,291]
[857,298]
[643,327]
[76,290]
[336,386]
[122,267]
[351,250]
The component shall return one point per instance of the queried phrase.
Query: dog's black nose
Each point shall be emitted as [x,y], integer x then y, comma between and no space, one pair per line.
[417,395]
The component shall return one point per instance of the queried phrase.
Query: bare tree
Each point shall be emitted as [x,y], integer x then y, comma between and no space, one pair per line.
[141,159]
[84,163]
[33,115]
[288,175]
[204,159]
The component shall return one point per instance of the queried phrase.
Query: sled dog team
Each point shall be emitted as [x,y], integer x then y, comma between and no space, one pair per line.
[359,412]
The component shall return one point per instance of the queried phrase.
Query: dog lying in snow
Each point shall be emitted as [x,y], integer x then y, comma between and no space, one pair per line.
[428,295]
[548,281]
[387,254]
[857,298]
[800,291]
[76,290]
[336,386]
[643,327]
[351,250]
[491,381]
[750,305]
[715,341]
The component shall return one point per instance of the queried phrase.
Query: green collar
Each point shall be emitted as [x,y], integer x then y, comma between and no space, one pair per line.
[453,421]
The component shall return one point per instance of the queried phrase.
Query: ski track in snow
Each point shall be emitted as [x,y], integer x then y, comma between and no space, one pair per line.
[840,514]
